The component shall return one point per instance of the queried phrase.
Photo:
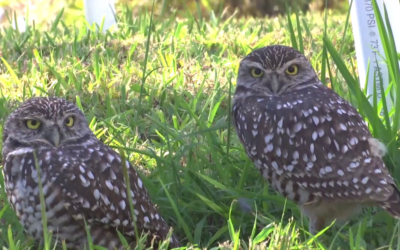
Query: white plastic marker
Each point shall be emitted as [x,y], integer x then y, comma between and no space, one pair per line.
[369,45]
[21,24]
[20,21]
[95,10]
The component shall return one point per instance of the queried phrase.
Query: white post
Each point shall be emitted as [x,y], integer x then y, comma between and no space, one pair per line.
[369,45]
[21,24]
[95,10]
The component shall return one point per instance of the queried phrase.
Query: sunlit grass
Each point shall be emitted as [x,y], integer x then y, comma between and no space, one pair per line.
[160,90]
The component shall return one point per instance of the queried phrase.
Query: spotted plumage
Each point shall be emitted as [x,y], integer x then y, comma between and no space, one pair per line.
[82,179]
[311,145]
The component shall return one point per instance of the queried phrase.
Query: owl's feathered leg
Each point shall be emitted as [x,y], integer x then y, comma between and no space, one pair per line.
[316,224]
[322,213]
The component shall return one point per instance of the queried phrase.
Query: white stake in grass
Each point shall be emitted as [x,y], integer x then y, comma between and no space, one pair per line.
[21,24]
[95,10]
[369,45]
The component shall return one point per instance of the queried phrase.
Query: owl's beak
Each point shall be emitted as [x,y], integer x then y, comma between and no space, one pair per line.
[274,83]
[53,136]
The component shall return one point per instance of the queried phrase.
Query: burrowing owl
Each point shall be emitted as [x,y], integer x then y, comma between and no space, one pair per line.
[311,145]
[82,178]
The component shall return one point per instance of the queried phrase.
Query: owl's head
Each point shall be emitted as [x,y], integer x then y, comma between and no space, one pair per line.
[49,121]
[275,70]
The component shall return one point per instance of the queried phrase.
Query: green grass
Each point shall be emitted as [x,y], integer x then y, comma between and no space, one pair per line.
[160,90]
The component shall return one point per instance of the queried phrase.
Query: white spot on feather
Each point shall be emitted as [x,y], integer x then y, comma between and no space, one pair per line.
[314,135]
[275,165]
[140,183]
[96,194]
[297,127]
[110,157]
[109,185]
[268,138]
[280,122]
[122,205]
[316,120]
[320,132]
[85,182]
[342,126]
[365,180]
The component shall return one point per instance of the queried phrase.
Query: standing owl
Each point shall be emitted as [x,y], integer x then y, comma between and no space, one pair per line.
[82,179]
[311,145]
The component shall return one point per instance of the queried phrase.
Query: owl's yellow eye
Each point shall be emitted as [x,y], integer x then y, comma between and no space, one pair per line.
[69,121]
[292,70]
[255,72]
[33,124]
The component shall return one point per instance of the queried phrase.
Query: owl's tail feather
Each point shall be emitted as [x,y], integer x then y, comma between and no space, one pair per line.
[392,205]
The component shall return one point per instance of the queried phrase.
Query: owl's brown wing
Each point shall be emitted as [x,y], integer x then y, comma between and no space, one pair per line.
[92,182]
[317,140]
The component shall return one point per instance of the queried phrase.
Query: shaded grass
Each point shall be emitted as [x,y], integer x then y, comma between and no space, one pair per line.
[160,89]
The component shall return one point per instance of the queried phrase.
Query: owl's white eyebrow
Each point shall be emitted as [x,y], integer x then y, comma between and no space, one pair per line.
[31,118]
[286,64]
[251,64]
